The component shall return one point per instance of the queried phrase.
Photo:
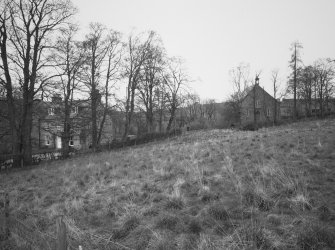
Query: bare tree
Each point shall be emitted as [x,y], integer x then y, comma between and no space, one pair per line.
[193,107]
[274,78]
[96,49]
[175,79]
[210,110]
[160,96]
[113,59]
[138,52]
[151,82]
[325,73]
[69,56]
[294,65]
[240,78]
[305,87]
[27,28]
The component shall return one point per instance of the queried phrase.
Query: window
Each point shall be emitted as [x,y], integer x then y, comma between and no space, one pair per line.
[74,110]
[258,103]
[248,113]
[268,112]
[47,140]
[71,143]
[51,111]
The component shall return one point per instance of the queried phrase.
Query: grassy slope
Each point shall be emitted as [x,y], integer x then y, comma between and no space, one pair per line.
[204,190]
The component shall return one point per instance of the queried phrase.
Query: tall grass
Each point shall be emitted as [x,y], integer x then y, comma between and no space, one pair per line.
[217,189]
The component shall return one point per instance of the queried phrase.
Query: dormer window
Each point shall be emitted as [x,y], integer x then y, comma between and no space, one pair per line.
[51,111]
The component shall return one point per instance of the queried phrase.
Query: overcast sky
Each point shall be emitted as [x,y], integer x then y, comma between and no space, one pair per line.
[214,36]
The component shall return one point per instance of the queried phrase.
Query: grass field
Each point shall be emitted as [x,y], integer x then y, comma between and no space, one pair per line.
[218,189]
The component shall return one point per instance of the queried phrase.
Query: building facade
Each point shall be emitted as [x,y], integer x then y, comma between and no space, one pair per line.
[48,126]
[307,108]
[259,108]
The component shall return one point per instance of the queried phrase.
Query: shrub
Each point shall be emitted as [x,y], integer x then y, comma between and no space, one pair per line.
[249,127]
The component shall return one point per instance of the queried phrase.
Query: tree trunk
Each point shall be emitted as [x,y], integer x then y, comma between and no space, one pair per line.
[150,123]
[295,85]
[102,123]
[26,149]
[129,111]
[11,107]
[94,120]
[66,132]
[171,119]
[126,125]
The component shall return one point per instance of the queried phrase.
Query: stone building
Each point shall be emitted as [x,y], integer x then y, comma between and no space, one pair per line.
[307,108]
[48,126]
[259,108]
[51,126]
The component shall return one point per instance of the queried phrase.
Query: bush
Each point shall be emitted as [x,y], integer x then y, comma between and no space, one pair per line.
[200,123]
[250,127]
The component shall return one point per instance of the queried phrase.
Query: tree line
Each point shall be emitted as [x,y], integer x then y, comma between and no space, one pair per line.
[311,87]
[41,57]
[313,84]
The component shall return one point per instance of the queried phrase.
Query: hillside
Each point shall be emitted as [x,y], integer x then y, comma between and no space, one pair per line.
[219,189]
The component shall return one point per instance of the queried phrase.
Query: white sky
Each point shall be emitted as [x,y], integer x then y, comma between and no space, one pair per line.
[213,36]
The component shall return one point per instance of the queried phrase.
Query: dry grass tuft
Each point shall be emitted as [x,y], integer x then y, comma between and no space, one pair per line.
[315,236]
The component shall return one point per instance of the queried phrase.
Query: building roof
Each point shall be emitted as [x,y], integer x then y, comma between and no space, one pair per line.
[259,88]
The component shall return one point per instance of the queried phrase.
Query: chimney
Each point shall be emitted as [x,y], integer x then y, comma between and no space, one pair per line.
[257,80]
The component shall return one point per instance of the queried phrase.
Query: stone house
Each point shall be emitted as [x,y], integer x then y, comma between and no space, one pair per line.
[51,125]
[48,125]
[259,108]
